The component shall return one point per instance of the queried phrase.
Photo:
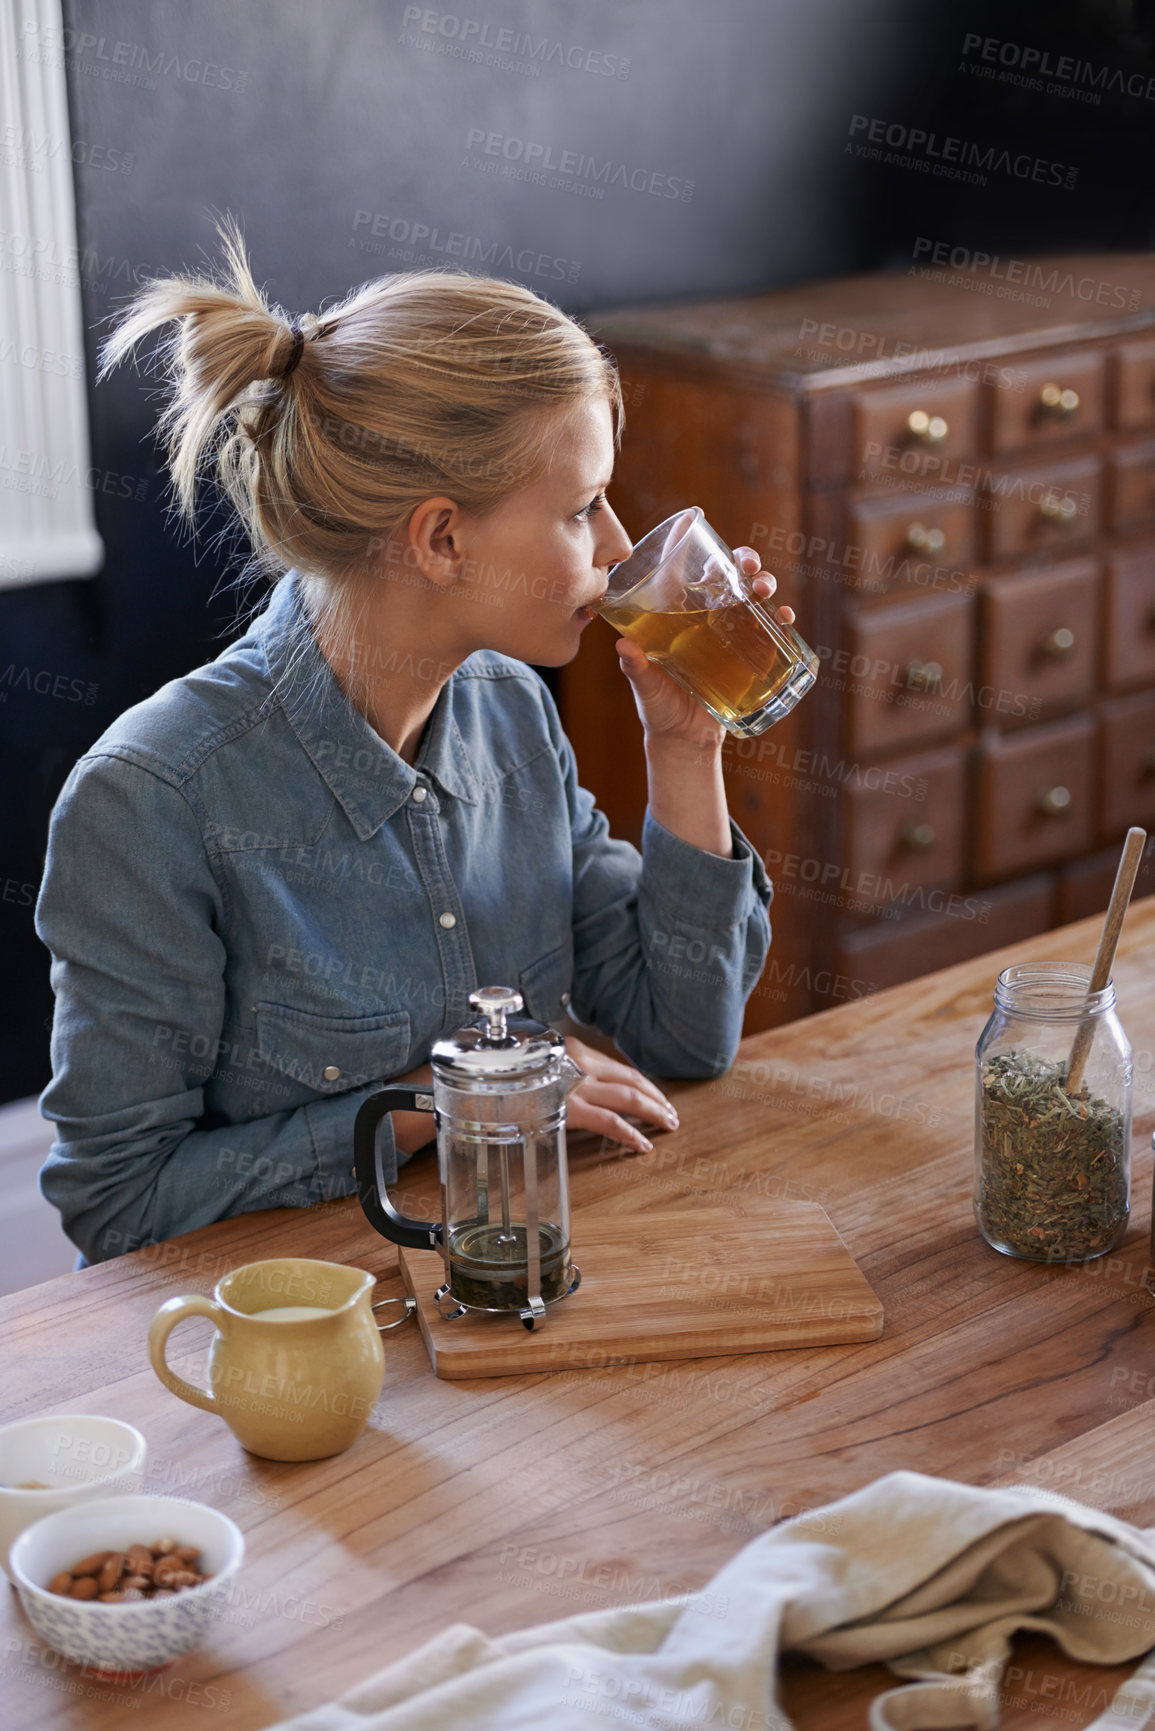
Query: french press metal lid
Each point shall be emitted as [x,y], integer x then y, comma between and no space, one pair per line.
[499,1091]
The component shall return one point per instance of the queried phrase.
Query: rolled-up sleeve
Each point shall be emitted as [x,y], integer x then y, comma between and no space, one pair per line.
[133,917]
[669,943]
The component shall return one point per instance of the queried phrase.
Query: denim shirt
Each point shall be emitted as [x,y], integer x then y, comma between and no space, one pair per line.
[257,911]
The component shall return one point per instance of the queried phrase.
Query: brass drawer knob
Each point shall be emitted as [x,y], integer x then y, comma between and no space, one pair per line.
[1058,402]
[920,539]
[1059,643]
[1062,511]
[932,428]
[1055,801]
[919,836]
[923,675]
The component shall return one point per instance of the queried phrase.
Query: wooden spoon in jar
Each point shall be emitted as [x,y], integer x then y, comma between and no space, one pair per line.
[1105,955]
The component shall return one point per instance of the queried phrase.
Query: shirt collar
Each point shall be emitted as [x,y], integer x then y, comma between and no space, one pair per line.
[364,774]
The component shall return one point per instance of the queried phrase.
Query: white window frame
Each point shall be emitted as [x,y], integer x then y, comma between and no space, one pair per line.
[47,517]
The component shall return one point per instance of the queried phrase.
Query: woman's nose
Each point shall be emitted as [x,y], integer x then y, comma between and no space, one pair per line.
[616,546]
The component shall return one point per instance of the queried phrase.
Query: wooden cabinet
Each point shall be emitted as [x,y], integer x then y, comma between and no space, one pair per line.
[957,495]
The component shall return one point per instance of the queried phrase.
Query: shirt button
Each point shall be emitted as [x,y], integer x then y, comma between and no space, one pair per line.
[448,920]
[330,1072]
[420,793]
[564,999]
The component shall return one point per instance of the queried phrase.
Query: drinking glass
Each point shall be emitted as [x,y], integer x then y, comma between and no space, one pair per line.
[682,598]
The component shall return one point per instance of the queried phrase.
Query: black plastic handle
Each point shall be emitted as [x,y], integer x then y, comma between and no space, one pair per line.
[371,1191]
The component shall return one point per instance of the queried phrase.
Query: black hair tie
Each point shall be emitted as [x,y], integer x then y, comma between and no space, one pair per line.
[298,349]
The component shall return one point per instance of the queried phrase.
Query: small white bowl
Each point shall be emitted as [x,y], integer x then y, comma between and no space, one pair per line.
[76,1456]
[146,1634]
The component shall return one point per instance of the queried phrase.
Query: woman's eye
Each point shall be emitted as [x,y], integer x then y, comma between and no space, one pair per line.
[587,511]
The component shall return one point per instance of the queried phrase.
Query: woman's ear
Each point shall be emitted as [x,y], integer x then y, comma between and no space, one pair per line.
[434,535]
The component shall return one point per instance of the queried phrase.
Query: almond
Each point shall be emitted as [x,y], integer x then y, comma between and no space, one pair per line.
[84,1588]
[111,1571]
[61,1583]
[91,1565]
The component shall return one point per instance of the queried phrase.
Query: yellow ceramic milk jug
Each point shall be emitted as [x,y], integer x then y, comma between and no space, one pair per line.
[296,1363]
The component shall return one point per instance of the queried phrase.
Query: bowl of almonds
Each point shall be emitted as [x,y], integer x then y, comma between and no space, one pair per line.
[126,1584]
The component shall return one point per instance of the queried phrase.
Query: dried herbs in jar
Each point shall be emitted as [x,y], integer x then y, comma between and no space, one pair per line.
[1052,1166]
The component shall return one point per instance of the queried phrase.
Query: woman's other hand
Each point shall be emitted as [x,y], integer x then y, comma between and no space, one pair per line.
[666,711]
[610,1090]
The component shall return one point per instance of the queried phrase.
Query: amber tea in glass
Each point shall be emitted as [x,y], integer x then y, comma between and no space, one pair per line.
[682,599]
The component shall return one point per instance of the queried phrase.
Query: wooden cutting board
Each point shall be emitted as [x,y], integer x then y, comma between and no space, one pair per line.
[659,1286]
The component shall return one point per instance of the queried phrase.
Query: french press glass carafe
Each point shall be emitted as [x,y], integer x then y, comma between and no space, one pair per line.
[499,1093]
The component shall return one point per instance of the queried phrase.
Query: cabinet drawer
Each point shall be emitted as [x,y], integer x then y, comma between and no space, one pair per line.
[1127,762]
[1039,639]
[1134,367]
[1030,510]
[905,823]
[909,541]
[912,428]
[1129,632]
[1132,484]
[1062,398]
[1034,797]
[886,955]
[906,672]
[1085,885]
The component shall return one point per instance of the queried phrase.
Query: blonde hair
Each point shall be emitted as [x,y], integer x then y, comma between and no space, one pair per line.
[427,382]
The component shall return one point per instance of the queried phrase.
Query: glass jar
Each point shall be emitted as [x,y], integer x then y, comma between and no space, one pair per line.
[1052,1169]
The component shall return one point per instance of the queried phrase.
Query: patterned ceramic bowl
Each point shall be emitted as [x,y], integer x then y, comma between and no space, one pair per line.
[142,1636]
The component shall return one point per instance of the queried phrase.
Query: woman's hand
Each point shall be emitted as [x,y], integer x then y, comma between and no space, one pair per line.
[669,713]
[610,1089]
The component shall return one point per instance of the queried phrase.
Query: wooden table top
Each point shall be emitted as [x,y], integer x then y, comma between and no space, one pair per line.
[518,1500]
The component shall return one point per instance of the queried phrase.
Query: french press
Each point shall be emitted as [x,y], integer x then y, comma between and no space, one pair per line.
[499,1093]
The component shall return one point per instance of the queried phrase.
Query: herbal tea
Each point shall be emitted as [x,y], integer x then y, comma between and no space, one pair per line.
[724,656]
[487,1265]
[1053,1172]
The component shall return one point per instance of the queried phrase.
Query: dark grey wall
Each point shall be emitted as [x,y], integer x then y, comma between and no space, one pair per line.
[318,122]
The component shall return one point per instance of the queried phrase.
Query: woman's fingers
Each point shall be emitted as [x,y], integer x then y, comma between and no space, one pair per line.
[583,1115]
[609,1071]
[619,1097]
[762,583]
[600,1067]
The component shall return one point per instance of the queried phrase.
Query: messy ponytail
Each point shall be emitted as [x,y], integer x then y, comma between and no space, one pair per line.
[416,384]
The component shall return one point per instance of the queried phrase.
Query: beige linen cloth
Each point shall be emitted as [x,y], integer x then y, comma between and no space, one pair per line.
[929,1576]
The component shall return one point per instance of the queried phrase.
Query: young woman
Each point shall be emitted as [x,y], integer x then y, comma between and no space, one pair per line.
[271,884]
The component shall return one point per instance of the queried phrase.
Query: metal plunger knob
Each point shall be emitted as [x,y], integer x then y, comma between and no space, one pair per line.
[496,1003]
